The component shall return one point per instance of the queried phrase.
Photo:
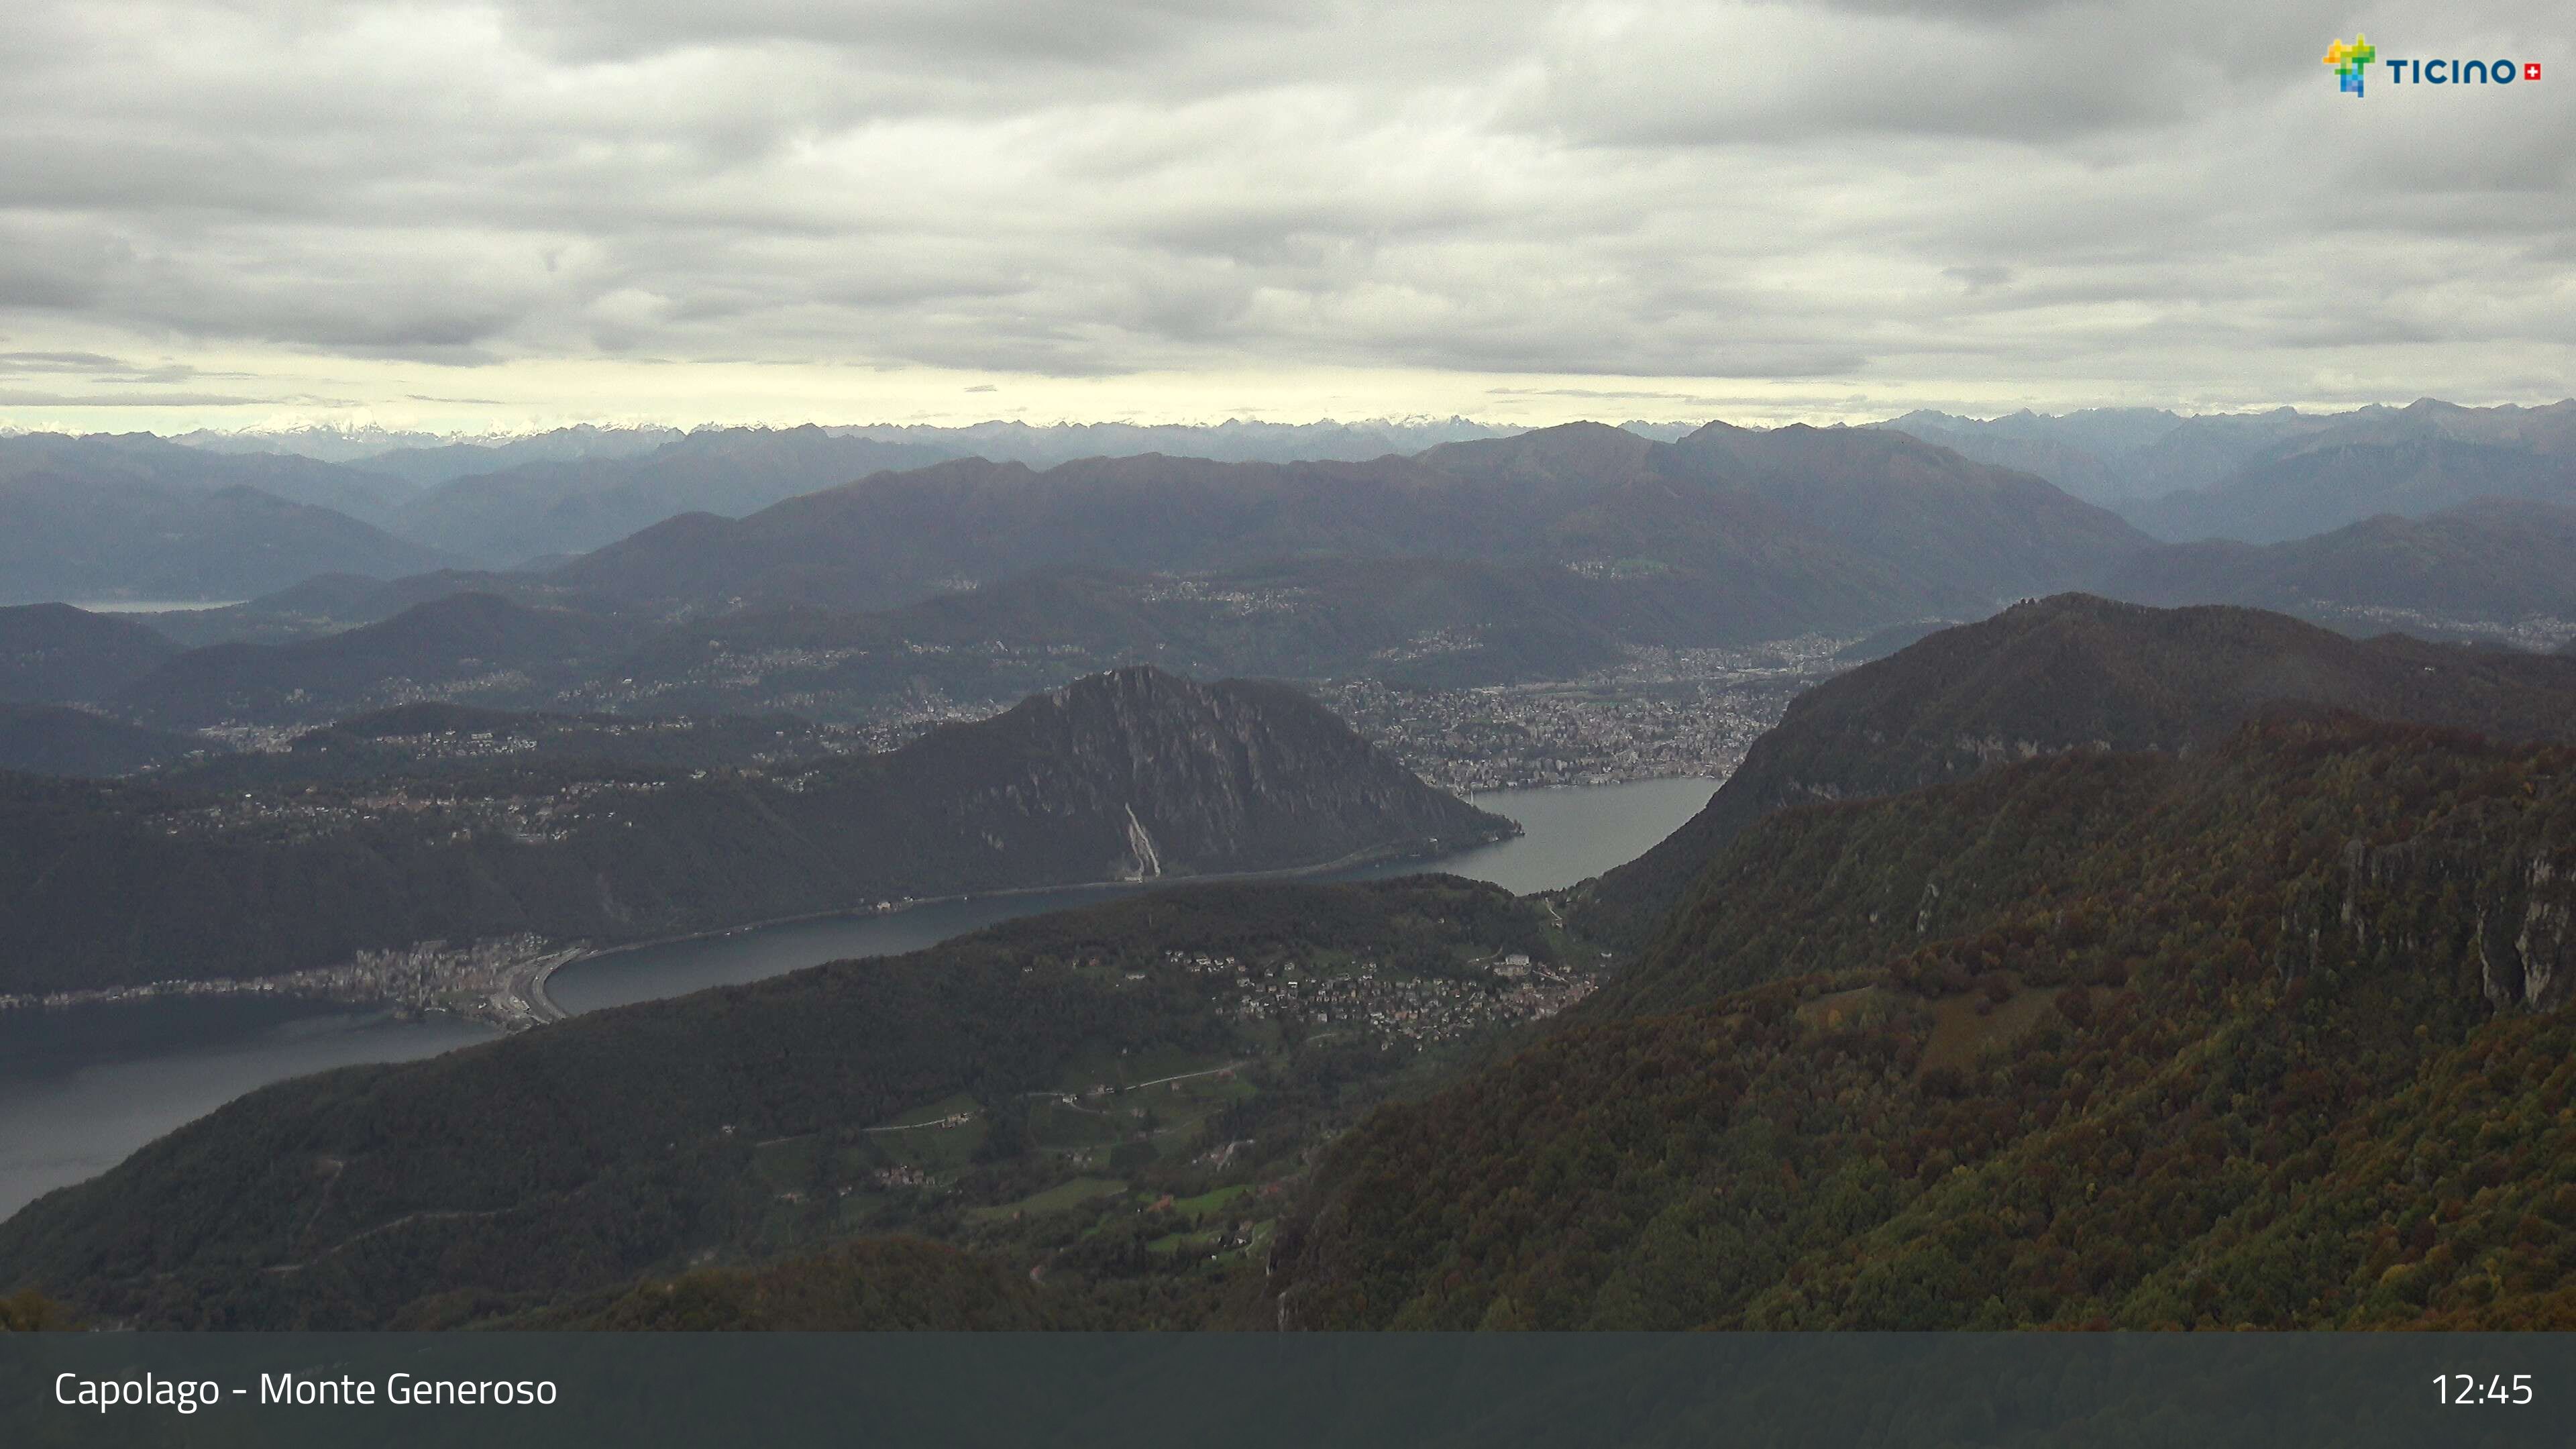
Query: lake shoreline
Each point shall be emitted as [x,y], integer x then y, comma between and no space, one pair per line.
[1353,861]
[519,999]
[98,1083]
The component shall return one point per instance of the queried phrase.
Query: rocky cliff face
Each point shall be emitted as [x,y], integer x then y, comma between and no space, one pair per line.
[2512,896]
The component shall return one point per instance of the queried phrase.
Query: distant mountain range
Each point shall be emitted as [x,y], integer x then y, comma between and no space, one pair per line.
[83,508]
[2115,456]
[2271,477]
[1132,775]
[2463,570]
[572,506]
[1499,559]
[108,518]
[1728,534]
[425,464]
[1579,543]
[1540,557]
[426,459]
[104,460]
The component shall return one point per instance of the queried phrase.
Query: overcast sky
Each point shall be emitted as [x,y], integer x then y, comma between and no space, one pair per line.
[247,212]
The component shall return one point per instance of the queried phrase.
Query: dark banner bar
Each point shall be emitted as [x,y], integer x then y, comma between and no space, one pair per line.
[1253,1391]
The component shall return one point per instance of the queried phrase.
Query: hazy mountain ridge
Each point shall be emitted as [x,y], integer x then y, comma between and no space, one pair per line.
[1745,525]
[2494,561]
[428,458]
[2270,477]
[82,506]
[105,459]
[2329,484]
[1233,441]
[574,505]
[428,461]
[56,654]
[2113,455]
[93,536]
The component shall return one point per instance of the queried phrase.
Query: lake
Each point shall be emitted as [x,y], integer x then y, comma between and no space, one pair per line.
[1568,835]
[82,1088]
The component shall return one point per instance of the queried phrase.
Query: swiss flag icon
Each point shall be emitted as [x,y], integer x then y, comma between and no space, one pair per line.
[2531,70]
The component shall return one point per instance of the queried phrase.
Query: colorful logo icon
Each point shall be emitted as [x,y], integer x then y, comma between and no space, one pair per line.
[2351,62]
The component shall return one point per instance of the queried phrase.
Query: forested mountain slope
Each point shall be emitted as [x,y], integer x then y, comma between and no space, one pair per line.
[2273,1034]
[2075,672]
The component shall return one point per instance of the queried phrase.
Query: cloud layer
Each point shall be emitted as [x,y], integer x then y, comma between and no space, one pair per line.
[964,207]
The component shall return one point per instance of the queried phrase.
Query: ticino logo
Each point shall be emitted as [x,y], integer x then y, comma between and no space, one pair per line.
[2351,63]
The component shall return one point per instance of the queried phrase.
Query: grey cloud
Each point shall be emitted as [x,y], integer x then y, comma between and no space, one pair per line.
[1870,192]
[57,362]
[1116,34]
[16,398]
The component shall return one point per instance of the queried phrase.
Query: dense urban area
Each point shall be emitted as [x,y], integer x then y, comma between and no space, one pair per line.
[1662,713]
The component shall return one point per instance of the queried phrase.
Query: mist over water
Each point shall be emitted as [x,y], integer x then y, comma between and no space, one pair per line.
[81,1089]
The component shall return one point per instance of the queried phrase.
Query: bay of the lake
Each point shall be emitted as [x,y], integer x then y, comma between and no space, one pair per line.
[82,1088]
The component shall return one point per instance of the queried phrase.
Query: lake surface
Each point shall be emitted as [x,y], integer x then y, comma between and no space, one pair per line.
[81,1089]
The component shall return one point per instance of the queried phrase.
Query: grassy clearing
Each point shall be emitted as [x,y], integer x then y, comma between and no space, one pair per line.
[1208,1202]
[931,1136]
[1073,1193]
[959,1104]
[1964,1027]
